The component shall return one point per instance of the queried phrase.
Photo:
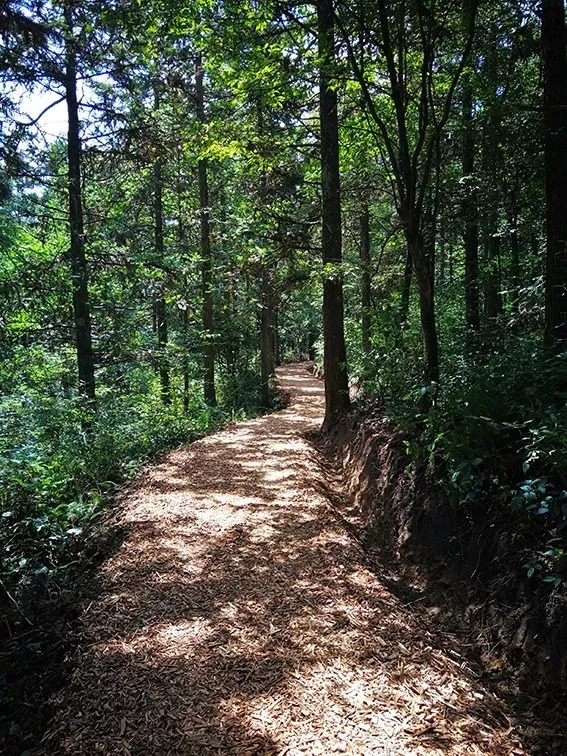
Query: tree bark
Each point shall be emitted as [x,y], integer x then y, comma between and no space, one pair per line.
[160,306]
[267,343]
[514,255]
[206,257]
[161,317]
[79,271]
[492,280]
[185,361]
[267,358]
[275,327]
[365,289]
[554,40]
[426,290]
[185,314]
[470,212]
[442,259]
[231,345]
[336,380]
[406,289]
[424,268]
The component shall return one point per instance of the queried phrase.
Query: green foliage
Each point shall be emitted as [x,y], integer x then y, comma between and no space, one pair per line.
[494,429]
[495,432]
[55,477]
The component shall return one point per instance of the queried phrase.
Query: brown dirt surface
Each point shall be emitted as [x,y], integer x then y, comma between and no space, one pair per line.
[238,616]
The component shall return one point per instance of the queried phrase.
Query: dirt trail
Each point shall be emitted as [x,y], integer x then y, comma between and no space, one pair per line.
[237,617]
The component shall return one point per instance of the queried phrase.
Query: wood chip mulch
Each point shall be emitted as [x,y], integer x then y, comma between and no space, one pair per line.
[237,617]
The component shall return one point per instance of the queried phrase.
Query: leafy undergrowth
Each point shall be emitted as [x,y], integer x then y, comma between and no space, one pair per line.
[56,477]
[58,486]
[494,433]
[501,443]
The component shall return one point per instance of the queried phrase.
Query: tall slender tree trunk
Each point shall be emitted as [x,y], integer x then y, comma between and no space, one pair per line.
[442,259]
[430,239]
[160,305]
[470,212]
[79,271]
[275,327]
[492,278]
[336,380]
[161,317]
[229,300]
[424,269]
[267,344]
[185,363]
[267,337]
[365,279]
[514,254]
[229,292]
[206,257]
[554,38]
[185,313]
[406,289]
[424,275]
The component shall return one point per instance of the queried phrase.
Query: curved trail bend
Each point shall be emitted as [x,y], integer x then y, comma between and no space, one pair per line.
[237,617]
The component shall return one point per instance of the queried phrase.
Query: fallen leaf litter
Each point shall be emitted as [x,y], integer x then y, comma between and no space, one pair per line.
[237,617]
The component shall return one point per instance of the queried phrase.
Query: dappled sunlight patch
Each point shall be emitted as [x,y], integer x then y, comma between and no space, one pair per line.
[262,533]
[274,447]
[275,476]
[361,578]
[234,500]
[183,635]
[163,640]
[223,517]
[328,537]
[238,618]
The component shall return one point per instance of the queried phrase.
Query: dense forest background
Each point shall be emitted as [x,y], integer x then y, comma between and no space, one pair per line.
[379,186]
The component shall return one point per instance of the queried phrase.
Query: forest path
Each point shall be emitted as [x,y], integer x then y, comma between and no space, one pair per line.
[238,617]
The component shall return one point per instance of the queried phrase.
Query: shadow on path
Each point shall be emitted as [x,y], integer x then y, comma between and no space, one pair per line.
[237,617]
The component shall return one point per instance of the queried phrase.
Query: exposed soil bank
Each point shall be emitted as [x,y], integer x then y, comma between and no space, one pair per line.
[464,564]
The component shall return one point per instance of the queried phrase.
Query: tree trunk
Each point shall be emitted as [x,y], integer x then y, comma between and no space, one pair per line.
[185,363]
[492,279]
[161,317]
[267,358]
[311,341]
[514,256]
[79,272]
[276,334]
[185,313]
[267,338]
[365,290]
[470,212]
[231,350]
[426,290]
[430,239]
[206,258]
[442,259]
[406,289]
[336,380]
[160,306]
[554,40]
